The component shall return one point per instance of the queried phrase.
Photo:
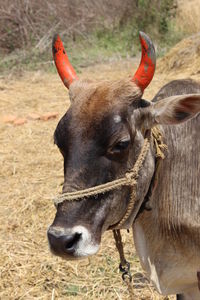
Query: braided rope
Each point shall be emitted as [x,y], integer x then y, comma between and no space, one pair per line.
[128,180]
[135,174]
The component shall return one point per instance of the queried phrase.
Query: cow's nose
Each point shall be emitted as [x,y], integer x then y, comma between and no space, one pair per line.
[63,243]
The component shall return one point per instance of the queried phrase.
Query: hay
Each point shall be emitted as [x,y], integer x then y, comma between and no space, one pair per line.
[183,58]
[31,174]
[188,16]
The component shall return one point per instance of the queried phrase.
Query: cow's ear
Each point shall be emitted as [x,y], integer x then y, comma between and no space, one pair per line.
[172,110]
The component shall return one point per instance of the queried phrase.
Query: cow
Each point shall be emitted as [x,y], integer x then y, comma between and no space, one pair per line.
[100,138]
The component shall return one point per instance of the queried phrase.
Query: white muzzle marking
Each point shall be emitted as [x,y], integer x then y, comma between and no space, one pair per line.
[85,246]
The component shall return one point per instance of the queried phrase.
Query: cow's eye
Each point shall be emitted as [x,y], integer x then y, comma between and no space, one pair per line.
[121,145]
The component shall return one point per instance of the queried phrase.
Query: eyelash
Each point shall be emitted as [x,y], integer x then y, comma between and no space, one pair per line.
[121,146]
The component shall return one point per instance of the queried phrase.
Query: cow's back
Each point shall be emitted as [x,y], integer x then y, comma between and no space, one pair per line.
[179,206]
[167,236]
[178,87]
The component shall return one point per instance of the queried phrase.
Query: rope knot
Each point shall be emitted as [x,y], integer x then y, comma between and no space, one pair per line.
[160,146]
[130,178]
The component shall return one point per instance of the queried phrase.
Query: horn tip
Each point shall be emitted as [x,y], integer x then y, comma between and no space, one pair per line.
[145,72]
[149,45]
[147,39]
[56,43]
[55,38]
[143,35]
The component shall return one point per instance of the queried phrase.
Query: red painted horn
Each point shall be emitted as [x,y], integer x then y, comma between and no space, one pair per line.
[64,68]
[145,72]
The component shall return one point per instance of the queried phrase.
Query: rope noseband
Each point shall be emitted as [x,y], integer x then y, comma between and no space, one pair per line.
[130,179]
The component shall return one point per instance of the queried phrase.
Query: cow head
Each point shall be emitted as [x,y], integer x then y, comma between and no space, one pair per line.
[100,138]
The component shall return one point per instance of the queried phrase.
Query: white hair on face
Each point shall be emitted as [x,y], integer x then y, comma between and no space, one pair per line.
[85,246]
[117,118]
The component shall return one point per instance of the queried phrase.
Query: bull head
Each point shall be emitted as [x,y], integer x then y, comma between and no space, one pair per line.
[100,138]
[95,138]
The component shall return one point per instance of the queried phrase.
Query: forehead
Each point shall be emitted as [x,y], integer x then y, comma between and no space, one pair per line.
[93,101]
[95,108]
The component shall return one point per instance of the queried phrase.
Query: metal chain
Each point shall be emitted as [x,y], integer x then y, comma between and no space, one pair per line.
[124,265]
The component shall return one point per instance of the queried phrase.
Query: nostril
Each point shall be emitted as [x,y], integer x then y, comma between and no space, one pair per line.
[70,241]
[61,243]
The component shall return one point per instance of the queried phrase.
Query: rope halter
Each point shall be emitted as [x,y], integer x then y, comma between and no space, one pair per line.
[130,178]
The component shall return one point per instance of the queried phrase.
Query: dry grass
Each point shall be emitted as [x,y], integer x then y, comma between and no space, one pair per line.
[188,16]
[31,174]
[183,58]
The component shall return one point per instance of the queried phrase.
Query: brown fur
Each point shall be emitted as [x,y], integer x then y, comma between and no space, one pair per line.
[90,141]
[172,226]
[93,101]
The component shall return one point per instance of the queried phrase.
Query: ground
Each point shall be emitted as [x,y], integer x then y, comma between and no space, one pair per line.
[31,174]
